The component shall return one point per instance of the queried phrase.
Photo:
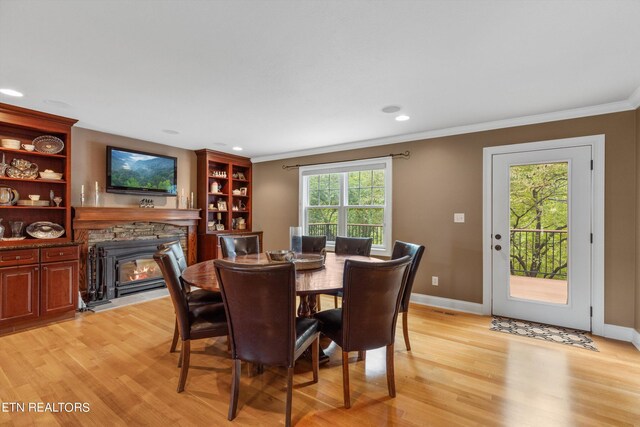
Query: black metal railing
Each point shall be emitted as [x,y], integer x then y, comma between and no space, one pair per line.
[539,253]
[375,231]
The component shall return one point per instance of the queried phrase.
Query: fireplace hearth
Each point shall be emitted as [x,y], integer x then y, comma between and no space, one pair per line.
[121,268]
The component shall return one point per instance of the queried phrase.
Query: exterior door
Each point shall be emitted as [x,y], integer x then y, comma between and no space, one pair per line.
[541,236]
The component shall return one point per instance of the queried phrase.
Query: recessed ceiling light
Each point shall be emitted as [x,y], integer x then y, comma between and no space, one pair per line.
[402,118]
[56,103]
[237,148]
[391,109]
[170,131]
[11,92]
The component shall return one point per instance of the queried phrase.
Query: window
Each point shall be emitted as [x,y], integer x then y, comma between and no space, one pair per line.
[351,199]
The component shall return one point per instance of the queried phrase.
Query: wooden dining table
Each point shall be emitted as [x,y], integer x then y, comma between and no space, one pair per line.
[309,283]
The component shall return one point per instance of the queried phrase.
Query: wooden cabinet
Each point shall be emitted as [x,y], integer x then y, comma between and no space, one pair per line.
[224,199]
[59,287]
[24,125]
[37,285]
[19,288]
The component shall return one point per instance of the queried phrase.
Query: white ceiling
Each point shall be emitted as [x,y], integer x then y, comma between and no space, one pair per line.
[281,76]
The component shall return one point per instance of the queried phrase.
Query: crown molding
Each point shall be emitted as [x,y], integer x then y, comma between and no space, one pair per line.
[634,99]
[631,103]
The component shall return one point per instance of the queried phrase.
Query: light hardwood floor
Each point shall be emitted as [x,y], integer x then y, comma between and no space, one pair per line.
[458,373]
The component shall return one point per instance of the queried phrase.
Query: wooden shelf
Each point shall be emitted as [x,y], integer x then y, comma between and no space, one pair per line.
[30,241]
[44,181]
[218,194]
[240,180]
[33,153]
[34,207]
[240,195]
[218,177]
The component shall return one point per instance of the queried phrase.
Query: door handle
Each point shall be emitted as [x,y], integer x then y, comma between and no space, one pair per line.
[498,247]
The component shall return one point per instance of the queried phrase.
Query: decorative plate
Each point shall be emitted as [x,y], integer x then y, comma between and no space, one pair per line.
[48,144]
[26,202]
[45,230]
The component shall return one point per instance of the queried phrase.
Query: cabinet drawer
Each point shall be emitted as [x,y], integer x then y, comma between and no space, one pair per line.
[63,253]
[18,257]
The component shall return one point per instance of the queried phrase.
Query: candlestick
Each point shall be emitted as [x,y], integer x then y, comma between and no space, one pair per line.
[191,201]
[97,195]
[82,195]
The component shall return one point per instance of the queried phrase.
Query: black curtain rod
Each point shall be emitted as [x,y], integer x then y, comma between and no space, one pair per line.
[406,155]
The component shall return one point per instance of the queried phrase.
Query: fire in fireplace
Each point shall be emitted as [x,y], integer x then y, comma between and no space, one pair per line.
[120,268]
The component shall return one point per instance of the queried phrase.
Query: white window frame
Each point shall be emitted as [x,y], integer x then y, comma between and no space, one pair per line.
[384,163]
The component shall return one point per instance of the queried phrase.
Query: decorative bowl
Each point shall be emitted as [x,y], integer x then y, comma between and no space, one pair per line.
[23,169]
[14,144]
[309,261]
[48,174]
[45,230]
[280,255]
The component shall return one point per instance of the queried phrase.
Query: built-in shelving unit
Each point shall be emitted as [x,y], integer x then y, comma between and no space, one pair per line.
[25,125]
[224,198]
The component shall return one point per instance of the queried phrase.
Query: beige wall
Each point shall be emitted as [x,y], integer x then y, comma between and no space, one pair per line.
[444,175]
[88,162]
[637,324]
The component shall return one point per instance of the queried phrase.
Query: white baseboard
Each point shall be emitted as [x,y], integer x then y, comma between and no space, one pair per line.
[636,339]
[448,303]
[616,332]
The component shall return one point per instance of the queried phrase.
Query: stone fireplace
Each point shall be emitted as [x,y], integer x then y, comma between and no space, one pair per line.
[117,246]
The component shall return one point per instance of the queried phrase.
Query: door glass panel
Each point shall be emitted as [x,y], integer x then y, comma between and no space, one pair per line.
[538,202]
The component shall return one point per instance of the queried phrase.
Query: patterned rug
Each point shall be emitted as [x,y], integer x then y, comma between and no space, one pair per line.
[541,331]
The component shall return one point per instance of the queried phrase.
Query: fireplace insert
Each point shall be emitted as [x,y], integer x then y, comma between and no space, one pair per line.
[121,268]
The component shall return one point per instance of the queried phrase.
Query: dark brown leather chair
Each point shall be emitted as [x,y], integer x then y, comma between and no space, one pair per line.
[314,244]
[401,249]
[206,321]
[239,245]
[351,246]
[367,319]
[260,304]
[195,298]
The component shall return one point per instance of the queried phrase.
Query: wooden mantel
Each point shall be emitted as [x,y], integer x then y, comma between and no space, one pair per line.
[97,218]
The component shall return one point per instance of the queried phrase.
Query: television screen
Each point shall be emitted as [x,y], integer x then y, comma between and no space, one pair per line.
[136,172]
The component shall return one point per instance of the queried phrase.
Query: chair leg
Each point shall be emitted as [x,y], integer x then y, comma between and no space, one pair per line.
[180,357]
[362,355]
[186,353]
[345,379]
[335,300]
[289,396]
[235,386]
[391,379]
[315,357]
[318,308]
[405,330]
[174,342]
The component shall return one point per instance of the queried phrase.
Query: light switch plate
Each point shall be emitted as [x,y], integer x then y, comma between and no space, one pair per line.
[458,217]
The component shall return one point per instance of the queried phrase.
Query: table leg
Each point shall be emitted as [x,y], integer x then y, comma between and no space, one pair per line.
[307,308]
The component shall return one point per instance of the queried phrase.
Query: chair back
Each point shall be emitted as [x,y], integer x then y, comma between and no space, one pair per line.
[313,244]
[372,295]
[401,249]
[171,273]
[353,246]
[239,245]
[260,304]
[176,248]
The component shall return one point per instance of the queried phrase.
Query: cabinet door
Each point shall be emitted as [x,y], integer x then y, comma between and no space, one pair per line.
[59,287]
[18,294]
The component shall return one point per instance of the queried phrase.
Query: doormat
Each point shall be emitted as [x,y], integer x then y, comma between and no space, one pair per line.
[544,332]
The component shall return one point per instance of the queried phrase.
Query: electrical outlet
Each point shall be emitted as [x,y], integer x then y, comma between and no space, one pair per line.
[458,217]
[434,280]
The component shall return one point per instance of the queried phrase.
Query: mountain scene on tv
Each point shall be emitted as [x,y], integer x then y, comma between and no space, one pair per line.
[140,171]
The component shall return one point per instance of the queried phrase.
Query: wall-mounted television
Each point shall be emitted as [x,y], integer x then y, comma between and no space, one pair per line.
[137,172]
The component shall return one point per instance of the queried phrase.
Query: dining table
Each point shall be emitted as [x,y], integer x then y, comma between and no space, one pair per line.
[309,283]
